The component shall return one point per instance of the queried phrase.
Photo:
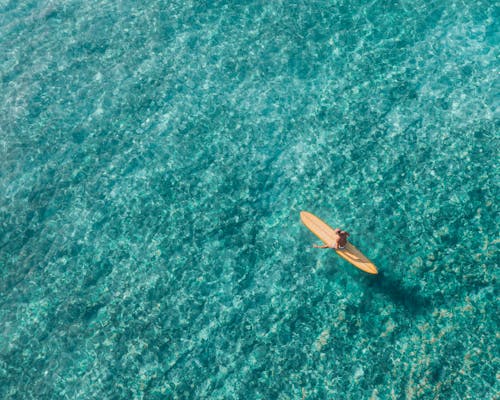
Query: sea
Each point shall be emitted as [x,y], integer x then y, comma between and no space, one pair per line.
[154,159]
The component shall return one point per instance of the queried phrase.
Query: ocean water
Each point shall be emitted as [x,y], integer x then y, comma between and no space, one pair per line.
[155,156]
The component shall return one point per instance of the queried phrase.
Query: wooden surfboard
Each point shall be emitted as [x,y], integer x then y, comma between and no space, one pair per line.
[324,232]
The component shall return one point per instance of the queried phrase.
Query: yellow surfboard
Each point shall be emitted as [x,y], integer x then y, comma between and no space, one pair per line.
[327,235]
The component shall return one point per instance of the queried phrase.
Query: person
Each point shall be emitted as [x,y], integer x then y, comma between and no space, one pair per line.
[340,241]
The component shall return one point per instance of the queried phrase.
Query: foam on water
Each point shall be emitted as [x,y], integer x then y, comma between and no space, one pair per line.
[154,157]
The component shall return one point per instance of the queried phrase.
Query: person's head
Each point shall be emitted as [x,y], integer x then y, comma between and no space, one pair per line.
[337,231]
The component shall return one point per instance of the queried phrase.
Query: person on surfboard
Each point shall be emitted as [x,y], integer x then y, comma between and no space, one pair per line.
[340,241]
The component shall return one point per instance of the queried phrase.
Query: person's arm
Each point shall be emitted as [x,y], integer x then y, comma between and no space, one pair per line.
[324,246]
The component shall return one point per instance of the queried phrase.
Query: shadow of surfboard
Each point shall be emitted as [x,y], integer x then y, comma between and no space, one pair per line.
[398,293]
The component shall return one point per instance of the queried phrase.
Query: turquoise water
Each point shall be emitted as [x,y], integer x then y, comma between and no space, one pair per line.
[155,156]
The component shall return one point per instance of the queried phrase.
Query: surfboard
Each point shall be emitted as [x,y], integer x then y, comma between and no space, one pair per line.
[326,233]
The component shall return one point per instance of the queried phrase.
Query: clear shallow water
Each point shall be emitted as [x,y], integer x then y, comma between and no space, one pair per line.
[154,157]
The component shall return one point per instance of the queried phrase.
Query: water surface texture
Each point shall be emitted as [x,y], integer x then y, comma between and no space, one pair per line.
[155,156]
